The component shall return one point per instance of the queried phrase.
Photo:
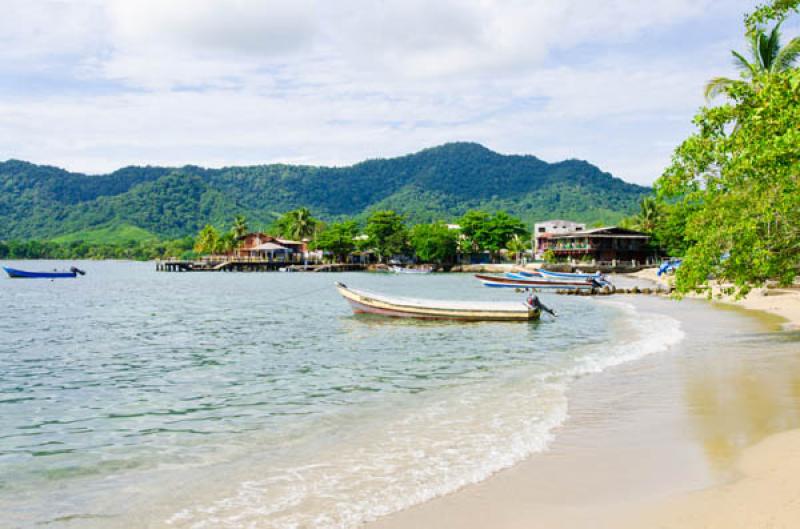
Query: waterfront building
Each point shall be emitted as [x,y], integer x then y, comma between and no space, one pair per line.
[600,244]
[542,231]
[264,246]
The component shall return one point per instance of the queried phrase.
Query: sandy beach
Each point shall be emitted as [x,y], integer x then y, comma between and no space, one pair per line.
[781,302]
[700,439]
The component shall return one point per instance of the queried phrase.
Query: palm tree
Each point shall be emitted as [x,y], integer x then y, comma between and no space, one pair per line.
[207,240]
[648,217]
[226,244]
[298,224]
[518,246]
[767,57]
[239,228]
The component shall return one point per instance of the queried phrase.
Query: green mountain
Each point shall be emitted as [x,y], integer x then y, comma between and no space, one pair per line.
[437,183]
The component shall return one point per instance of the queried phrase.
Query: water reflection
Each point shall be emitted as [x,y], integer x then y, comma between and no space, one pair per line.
[747,394]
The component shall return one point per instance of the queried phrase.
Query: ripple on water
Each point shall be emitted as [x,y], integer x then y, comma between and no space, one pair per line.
[295,413]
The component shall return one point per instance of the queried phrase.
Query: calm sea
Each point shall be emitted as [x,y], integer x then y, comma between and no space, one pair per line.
[135,398]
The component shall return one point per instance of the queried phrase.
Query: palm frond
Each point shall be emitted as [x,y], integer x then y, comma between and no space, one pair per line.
[788,55]
[717,86]
[748,68]
[772,46]
[755,48]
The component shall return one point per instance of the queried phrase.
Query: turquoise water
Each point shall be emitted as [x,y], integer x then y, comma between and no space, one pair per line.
[135,398]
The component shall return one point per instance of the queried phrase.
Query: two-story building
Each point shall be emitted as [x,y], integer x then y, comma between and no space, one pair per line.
[263,246]
[543,231]
[601,244]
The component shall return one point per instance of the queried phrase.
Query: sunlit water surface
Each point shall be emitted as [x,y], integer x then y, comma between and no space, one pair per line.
[131,398]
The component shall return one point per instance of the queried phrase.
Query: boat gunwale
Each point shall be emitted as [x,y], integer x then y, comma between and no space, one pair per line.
[533,283]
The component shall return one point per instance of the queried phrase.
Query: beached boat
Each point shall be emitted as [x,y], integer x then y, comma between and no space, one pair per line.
[544,284]
[522,275]
[402,270]
[570,276]
[56,274]
[364,302]
[527,273]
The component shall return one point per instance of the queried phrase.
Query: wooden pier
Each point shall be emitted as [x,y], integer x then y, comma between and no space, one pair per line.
[249,264]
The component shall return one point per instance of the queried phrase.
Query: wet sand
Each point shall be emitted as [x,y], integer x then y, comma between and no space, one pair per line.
[671,440]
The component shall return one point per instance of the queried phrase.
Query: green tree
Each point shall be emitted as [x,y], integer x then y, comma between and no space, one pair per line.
[474,224]
[738,187]
[434,243]
[649,215]
[767,57]
[501,229]
[207,240]
[387,233]
[338,239]
[490,233]
[518,246]
[226,243]
[297,224]
[239,228]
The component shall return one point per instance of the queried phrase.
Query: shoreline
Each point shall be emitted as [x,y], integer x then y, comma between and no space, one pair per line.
[783,303]
[756,489]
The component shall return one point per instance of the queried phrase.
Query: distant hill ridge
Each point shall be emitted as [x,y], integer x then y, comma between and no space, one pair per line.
[437,183]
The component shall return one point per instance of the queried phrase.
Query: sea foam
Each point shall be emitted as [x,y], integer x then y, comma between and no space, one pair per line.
[456,437]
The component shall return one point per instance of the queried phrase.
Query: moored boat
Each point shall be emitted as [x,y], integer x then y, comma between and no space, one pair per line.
[527,273]
[537,283]
[570,276]
[56,274]
[364,302]
[402,270]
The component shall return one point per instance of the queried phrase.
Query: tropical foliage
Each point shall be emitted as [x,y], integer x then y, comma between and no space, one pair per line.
[133,250]
[492,233]
[239,228]
[207,240]
[338,239]
[767,58]
[733,187]
[434,243]
[387,233]
[297,224]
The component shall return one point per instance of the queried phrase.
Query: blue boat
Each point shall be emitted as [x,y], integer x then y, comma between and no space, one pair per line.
[669,267]
[505,281]
[13,272]
[523,273]
[565,275]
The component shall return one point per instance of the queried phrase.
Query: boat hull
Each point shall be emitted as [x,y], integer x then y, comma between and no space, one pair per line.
[562,276]
[363,303]
[399,270]
[520,282]
[23,274]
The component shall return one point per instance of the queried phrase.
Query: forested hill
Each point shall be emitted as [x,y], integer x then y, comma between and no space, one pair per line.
[437,183]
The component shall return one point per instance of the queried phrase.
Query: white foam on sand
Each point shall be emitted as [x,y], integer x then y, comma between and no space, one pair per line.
[460,436]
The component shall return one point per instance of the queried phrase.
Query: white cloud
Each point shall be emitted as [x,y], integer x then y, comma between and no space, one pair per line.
[31,32]
[217,83]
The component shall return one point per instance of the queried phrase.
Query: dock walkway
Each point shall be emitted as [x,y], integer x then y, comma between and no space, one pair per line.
[249,264]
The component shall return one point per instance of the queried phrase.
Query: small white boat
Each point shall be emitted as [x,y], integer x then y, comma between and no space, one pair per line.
[364,302]
[402,270]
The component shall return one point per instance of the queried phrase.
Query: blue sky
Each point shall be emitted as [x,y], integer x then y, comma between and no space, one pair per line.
[94,85]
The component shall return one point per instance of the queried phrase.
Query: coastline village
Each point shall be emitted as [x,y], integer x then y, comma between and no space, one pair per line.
[560,243]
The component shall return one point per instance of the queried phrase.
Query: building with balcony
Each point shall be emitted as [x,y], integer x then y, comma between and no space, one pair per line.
[542,231]
[600,244]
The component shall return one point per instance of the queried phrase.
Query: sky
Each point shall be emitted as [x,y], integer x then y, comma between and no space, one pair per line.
[95,85]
